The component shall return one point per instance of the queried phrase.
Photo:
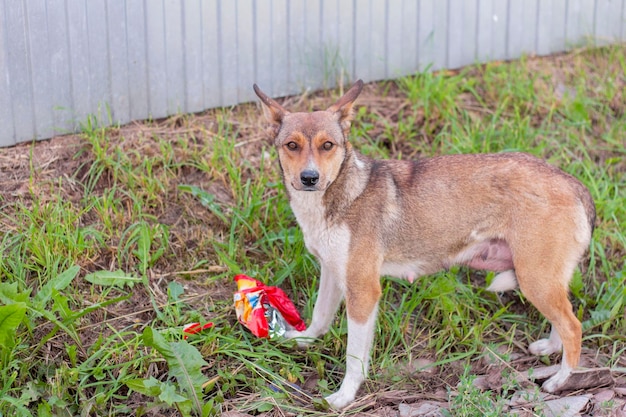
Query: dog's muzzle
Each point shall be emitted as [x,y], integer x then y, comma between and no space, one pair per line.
[309,179]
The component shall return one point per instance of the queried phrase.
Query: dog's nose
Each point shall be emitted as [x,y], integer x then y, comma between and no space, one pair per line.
[309,177]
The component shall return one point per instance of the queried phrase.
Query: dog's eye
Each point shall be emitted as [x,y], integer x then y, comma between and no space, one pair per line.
[328,146]
[292,146]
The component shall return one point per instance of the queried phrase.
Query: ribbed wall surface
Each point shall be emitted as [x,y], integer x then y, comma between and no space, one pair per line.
[61,60]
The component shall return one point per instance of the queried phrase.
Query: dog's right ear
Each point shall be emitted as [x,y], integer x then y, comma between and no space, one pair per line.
[274,112]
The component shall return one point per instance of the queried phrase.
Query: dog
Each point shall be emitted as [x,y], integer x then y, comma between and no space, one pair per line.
[510,213]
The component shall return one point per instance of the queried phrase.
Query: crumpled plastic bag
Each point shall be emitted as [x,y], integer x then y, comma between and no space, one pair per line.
[266,311]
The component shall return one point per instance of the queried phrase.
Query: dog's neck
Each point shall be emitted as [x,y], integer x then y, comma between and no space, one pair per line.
[349,184]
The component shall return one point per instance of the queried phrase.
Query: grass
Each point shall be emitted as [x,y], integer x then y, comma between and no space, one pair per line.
[114,240]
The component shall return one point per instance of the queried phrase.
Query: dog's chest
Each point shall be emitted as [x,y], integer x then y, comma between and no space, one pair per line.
[322,239]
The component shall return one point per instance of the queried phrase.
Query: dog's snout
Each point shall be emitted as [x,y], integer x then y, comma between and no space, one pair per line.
[309,177]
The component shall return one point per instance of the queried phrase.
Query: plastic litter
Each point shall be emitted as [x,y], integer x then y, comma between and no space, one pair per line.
[266,311]
[194,328]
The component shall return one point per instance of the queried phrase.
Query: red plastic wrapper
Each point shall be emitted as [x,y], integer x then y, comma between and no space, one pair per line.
[266,311]
[195,328]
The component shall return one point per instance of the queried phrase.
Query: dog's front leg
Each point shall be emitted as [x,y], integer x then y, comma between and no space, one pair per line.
[360,338]
[363,292]
[329,297]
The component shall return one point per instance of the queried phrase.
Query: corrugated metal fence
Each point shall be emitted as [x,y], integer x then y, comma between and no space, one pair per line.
[121,60]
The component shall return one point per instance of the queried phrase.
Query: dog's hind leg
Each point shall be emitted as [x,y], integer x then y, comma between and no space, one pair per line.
[551,299]
[547,346]
[544,266]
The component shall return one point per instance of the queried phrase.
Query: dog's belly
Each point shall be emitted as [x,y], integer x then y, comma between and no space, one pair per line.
[491,255]
[409,271]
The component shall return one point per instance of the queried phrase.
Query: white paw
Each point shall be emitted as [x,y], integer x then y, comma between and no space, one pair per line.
[339,400]
[302,338]
[545,347]
[504,281]
[555,382]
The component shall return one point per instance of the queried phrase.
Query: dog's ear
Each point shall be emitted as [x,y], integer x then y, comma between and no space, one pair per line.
[273,111]
[343,107]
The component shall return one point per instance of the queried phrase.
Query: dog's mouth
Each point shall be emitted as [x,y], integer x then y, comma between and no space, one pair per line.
[301,187]
[298,185]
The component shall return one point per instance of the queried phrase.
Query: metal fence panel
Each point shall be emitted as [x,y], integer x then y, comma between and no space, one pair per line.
[7,125]
[18,71]
[78,50]
[61,61]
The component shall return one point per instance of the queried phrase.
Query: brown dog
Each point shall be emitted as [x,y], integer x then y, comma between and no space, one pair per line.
[511,213]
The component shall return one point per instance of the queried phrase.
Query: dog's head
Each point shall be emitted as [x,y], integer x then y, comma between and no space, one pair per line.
[311,146]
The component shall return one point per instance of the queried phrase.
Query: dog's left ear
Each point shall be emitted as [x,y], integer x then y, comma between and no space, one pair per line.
[343,107]
[274,112]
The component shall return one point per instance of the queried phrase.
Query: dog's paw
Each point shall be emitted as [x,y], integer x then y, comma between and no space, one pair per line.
[556,381]
[545,347]
[504,281]
[301,338]
[339,400]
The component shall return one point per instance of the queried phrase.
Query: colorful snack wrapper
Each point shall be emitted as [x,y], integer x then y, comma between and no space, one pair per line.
[266,311]
[193,328]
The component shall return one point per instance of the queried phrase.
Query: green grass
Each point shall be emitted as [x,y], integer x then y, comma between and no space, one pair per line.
[108,252]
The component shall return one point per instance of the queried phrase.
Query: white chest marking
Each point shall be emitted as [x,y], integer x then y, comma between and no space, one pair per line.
[329,243]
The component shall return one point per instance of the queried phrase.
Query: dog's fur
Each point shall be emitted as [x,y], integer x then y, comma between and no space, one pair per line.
[511,213]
